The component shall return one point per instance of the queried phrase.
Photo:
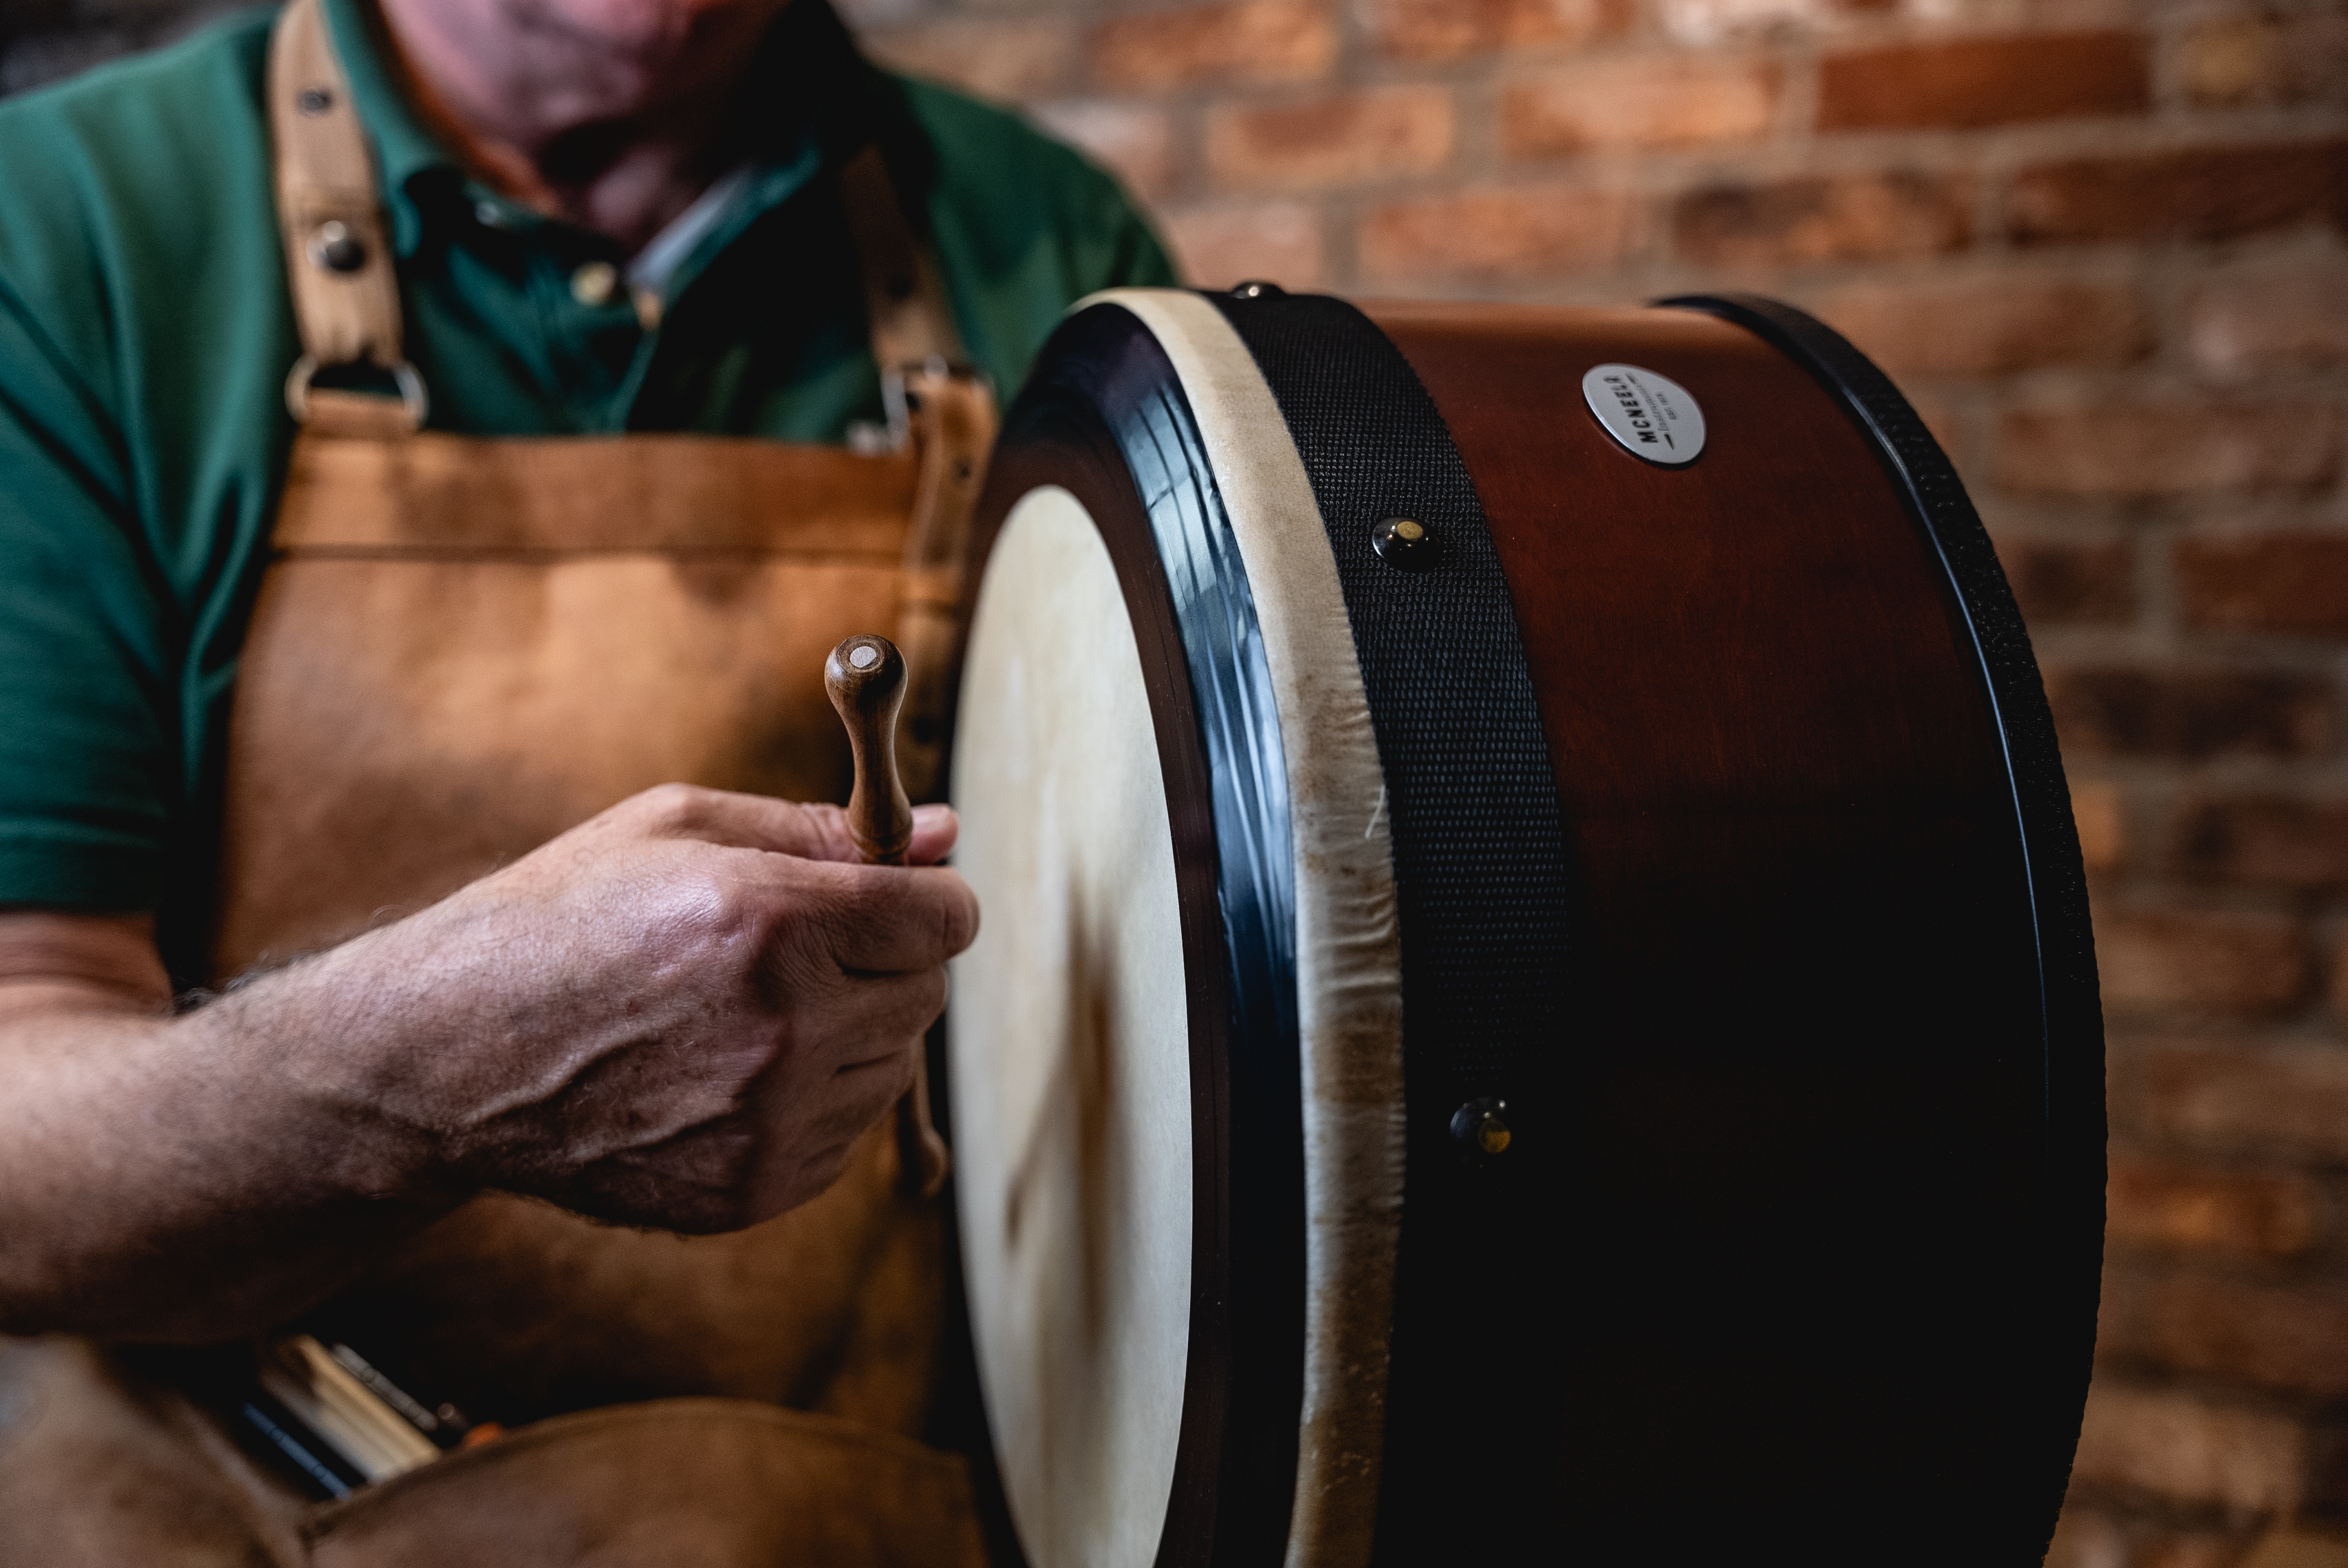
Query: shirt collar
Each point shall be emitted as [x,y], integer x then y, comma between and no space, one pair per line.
[820,102]
[403,147]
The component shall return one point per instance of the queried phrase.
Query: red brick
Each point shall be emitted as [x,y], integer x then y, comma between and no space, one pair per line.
[1006,59]
[2163,1203]
[1985,81]
[2290,1338]
[2209,193]
[1823,218]
[2265,59]
[1660,102]
[1135,141]
[2264,582]
[1994,325]
[1447,29]
[2133,711]
[2229,963]
[2058,580]
[2273,1099]
[2096,811]
[1277,241]
[1342,139]
[2286,313]
[1512,233]
[2264,838]
[2184,1450]
[2173,446]
[1237,41]
[1704,22]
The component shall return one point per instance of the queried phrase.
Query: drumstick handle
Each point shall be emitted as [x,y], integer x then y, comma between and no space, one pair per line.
[865,677]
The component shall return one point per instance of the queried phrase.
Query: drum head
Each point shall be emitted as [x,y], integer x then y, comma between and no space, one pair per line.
[1073,1143]
[1176,1047]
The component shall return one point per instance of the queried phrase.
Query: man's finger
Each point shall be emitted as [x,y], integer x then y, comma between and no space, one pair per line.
[935,828]
[811,832]
[888,919]
[879,1014]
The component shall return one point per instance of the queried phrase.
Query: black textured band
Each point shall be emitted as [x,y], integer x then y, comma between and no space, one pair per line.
[1479,851]
[1486,908]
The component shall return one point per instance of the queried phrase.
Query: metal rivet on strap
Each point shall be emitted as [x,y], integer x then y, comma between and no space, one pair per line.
[1255,288]
[314,100]
[336,248]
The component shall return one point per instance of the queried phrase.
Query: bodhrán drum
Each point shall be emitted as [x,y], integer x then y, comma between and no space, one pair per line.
[1535,1002]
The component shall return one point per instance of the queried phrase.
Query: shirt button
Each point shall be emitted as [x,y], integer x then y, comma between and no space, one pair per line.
[594,283]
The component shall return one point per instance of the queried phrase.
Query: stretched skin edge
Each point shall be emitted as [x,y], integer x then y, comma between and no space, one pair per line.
[1348,949]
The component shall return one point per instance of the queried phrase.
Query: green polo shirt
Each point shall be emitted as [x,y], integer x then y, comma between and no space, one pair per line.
[145,337]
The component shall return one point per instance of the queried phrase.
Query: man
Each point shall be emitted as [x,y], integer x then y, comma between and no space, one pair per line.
[270,686]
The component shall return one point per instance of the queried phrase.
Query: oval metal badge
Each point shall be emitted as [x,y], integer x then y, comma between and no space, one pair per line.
[1654,417]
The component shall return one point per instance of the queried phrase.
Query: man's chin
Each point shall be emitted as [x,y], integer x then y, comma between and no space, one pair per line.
[655,31]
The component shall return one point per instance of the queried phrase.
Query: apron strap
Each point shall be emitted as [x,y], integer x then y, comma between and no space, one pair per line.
[904,294]
[338,260]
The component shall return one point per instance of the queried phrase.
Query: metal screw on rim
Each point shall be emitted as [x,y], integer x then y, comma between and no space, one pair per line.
[1403,542]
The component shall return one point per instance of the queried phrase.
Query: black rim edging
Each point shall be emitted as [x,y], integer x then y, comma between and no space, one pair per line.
[1238,724]
[2071,1008]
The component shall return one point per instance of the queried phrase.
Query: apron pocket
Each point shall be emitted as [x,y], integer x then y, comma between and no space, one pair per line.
[101,1469]
[712,1483]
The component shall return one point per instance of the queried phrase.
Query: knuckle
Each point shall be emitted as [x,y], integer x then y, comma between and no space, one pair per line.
[703,911]
[825,824]
[673,807]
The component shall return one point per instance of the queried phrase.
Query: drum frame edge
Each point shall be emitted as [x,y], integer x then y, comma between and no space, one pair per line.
[1104,426]
[1348,943]
[2071,1003]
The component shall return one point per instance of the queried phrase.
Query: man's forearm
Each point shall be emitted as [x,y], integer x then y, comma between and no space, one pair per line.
[680,1014]
[188,1178]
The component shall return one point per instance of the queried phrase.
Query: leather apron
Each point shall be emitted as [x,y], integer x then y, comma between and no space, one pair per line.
[462,647]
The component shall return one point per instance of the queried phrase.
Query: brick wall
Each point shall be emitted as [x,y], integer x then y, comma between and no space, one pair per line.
[2100,242]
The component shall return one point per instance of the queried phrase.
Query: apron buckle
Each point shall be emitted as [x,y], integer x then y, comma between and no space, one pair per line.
[412,396]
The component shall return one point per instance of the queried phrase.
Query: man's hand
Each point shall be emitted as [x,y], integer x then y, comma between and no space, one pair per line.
[680,1014]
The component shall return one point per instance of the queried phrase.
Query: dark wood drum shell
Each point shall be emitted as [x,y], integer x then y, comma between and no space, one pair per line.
[1826,1231]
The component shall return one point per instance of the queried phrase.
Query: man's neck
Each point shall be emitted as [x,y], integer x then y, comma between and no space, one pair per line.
[610,114]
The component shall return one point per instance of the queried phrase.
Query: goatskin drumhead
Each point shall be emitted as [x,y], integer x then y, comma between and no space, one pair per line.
[1071,1081]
